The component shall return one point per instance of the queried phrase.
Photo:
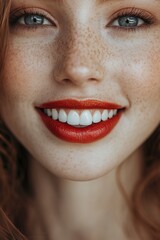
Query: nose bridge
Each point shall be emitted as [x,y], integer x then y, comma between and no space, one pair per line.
[81,45]
[81,56]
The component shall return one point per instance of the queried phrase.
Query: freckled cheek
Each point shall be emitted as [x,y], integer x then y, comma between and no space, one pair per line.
[27,71]
[141,77]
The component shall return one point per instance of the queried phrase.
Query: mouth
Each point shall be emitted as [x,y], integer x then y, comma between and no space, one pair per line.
[80,121]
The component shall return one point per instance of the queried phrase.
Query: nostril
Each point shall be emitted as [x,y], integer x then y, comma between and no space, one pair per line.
[66,80]
[93,80]
[69,81]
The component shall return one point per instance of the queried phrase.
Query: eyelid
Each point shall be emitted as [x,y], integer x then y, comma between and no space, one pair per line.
[132,11]
[22,11]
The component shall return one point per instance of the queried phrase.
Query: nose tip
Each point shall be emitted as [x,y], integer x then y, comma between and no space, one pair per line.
[79,74]
[82,74]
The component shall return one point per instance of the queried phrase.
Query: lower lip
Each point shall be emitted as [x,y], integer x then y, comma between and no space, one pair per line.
[87,134]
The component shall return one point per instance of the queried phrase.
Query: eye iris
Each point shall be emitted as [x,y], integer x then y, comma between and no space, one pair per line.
[34,20]
[128,21]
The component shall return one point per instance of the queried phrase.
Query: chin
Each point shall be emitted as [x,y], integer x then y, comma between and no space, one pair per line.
[74,168]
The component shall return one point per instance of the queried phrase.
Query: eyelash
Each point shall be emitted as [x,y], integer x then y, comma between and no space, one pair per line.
[148,19]
[133,12]
[15,15]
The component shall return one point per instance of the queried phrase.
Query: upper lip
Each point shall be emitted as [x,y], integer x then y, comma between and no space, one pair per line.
[80,104]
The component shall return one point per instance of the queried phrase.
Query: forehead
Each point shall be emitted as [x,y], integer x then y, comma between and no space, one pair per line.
[98,2]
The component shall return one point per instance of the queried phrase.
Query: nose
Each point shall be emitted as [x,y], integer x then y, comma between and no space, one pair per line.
[79,61]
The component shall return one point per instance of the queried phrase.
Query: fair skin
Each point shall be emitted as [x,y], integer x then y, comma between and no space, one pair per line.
[81,43]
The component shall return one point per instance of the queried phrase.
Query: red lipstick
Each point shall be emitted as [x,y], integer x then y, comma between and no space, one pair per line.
[77,104]
[86,134]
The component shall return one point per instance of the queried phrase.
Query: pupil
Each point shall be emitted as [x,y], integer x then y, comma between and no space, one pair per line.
[35,20]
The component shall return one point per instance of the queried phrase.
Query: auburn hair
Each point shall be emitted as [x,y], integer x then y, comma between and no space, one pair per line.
[14,184]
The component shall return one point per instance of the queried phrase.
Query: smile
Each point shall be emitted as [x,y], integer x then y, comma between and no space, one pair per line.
[80,121]
[80,118]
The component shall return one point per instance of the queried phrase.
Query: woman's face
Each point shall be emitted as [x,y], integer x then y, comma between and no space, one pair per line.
[108,51]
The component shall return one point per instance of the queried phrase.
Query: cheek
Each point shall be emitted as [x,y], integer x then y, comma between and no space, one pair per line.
[140,75]
[26,70]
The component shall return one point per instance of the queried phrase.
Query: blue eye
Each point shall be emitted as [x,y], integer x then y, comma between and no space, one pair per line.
[33,19]
[128,22]
[132,19]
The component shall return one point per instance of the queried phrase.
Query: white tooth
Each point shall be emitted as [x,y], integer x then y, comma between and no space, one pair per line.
[62,116]
[97,116]
[105,115]
[54,114]
[110,114]
[115,112]
[49,112]
[73,118]
[86,118]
